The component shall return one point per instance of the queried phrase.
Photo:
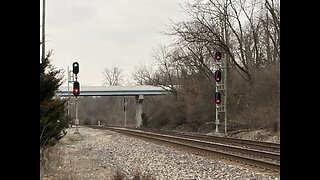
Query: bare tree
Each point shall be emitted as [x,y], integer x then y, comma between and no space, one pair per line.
[165,73]
[251,32]
[248,32]
[143,75]
[113,76]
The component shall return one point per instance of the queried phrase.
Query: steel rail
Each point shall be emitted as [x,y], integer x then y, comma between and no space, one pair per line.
[212,148]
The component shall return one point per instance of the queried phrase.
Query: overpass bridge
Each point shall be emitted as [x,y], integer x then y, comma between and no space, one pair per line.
[113,91]
[138,91]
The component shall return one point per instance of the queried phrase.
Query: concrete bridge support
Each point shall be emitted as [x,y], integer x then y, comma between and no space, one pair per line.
[139,101]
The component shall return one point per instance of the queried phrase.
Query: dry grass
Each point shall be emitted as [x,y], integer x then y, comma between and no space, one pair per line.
[49,158]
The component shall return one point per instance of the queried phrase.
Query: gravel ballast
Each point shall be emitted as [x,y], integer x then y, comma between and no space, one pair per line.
[98,154]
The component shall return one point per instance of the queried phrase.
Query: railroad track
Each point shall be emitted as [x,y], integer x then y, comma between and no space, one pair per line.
[258,154]
[251,144]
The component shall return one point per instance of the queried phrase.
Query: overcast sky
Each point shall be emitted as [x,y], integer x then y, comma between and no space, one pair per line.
[100,34]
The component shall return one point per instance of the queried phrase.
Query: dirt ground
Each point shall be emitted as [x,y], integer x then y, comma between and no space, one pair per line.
[69,159]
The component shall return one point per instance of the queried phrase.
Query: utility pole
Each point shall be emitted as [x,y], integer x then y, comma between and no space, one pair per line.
[43,30]
[226,66]
[68,112]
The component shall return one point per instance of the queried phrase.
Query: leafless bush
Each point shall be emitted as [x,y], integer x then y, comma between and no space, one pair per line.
[256,104]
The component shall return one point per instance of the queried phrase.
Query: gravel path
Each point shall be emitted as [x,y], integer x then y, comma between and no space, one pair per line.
[98,154]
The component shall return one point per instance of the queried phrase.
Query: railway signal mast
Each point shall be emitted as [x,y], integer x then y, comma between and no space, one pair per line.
[76,89]
[220,87]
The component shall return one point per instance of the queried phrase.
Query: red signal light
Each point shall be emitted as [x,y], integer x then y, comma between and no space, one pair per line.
[217,75]
[217,56]
[76,88]
[218,97]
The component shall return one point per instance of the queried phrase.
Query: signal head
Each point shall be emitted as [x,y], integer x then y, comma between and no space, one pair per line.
[217,97]
[217,75]
[217,56]
[76,88]
[75,67]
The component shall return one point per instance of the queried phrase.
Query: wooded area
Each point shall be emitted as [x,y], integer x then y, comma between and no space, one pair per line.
[248,35]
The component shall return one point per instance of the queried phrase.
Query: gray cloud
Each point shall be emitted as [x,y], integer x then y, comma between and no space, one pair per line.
[103,33]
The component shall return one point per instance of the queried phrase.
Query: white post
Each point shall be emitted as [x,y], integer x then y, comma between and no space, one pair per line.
[77,120]
[217,113]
